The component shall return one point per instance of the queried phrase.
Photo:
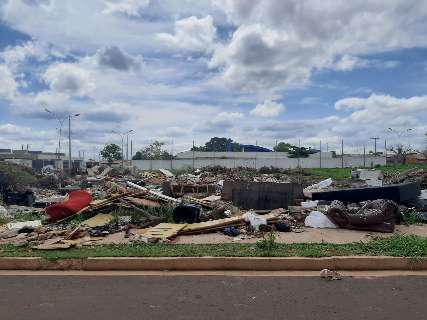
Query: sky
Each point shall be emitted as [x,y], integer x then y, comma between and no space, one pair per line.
[178,71]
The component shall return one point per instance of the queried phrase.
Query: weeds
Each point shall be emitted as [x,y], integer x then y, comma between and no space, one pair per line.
[411,217]
[268,244]
[397,246]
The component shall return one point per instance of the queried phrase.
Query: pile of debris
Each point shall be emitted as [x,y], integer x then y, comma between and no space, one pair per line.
[124,205]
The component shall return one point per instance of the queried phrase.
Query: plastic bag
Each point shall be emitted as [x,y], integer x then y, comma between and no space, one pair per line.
[254,219]
[317,187]
[317,219]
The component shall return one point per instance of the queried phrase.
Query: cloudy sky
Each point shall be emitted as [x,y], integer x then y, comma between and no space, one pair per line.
[184,70]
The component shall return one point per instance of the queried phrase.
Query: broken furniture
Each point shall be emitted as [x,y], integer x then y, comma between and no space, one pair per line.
[261,195]
[25,198]
[399,193]
[186,213]
[77,200]
[378,215]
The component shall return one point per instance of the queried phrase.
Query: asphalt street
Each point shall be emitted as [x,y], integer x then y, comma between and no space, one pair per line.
[157,297]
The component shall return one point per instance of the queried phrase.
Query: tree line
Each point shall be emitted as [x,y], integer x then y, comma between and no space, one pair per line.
[156,150]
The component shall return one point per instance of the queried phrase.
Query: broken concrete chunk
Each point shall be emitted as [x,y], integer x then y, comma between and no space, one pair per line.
[24,224]
[167,173]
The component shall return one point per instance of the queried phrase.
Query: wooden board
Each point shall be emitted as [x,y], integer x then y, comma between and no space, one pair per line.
[164,230]
[218,224]
[143,202]
[194,227]
[101,219]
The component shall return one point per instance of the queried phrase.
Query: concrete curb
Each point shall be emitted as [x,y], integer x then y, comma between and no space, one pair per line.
[361,263]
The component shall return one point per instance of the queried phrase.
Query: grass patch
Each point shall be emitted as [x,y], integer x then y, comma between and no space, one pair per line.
[334,173]
[401,167]
[345,173]
[396,245]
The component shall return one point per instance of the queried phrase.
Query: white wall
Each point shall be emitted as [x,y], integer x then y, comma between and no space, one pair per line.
[279,162]
[242,155]
[23,162]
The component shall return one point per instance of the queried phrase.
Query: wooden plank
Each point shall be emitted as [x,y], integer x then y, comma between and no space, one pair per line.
[99,220]
[212,224]
[144,202]
[164,230]
[218,224]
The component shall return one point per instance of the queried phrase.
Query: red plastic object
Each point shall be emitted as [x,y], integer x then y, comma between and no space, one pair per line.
[77,200]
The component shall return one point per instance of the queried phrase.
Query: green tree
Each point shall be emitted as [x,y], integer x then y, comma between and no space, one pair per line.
[294,151]
[154,151]
[283,147]
[111,152]
[217,144]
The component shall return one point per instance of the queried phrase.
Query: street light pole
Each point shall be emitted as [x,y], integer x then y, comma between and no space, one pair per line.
[70,162]
[61,122]
[122,136]
[127,147]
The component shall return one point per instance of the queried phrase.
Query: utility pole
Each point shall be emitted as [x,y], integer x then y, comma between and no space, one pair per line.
[385,150]
[131,149]
[364,155]
[375,144]
[342,153]
[69,141]
[70,163]
[193,154]
[320,154]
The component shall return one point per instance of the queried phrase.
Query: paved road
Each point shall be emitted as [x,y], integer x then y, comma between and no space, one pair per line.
[211,297]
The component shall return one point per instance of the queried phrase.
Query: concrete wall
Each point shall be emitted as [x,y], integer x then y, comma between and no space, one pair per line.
[285,163]
[242,155]
[23,162]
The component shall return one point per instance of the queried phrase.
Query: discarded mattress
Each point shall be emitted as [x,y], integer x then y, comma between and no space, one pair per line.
[76,201]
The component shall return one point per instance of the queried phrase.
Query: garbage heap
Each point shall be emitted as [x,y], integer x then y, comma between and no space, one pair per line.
[124,205]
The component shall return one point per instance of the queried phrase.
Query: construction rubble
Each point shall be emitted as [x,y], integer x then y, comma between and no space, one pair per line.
[123,205]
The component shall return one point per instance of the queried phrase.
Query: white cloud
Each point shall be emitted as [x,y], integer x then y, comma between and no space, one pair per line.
[382,107]
[7,82]
[229,116]
[69,79]
[191,33]
[13,56]
[268,47]
[348,63]
[8,128]
[223,121]
[268,109]
[129,7]
[278,44]
[261,58]
[12,135]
